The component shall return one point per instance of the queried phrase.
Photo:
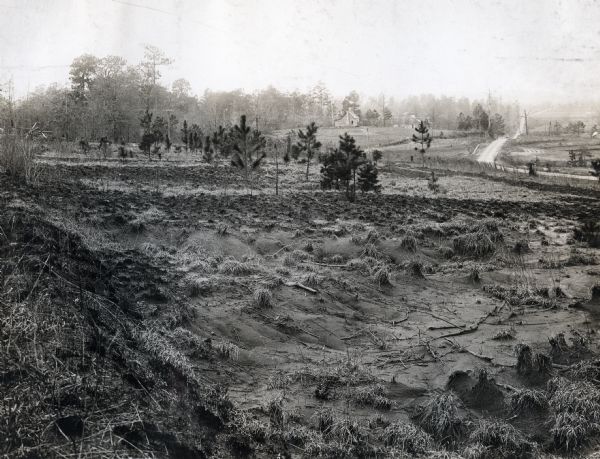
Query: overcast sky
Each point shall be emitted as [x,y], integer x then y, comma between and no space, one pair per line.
[526,49]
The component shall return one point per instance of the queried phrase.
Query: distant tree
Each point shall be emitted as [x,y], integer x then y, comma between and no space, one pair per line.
[367,178]
[147,142]
[185,134]
[572,157]
[371,117]
[308,144]
[422,138]
[497,127]
[596,168]
[594,130]
[104,143]
[481,118]
[248,149]
[387,115]
[207,151]
[352,103]
[84,145]
[377,155]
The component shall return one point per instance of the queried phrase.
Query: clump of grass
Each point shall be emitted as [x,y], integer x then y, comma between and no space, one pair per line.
[439,416]
[373,395]
[222,229]
[521,247]
[371,251]
[372,236]
[570,431]
[263,298]
[279,380]
[445,252]
[407,437]
[588,370]
[356,239]
[505,334]
[382,276]
[505,439]
[227,350]
[476,451]
[311,280]
[477,245]
[199,286]
[415,269]
[409,242]
[519,295]
[236,268]
[475,274]
[523,401]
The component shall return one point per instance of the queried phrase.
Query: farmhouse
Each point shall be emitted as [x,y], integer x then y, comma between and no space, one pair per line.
[348,119]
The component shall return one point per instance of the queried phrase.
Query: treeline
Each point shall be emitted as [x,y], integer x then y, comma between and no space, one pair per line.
[108,96]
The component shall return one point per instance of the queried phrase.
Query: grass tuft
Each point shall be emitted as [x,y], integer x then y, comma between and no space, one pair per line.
[439,416]
[263,298]
[407,437]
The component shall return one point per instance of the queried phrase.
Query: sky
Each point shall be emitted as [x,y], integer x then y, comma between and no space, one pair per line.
[530,50]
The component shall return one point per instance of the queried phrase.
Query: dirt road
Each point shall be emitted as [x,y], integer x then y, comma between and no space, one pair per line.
[488,155]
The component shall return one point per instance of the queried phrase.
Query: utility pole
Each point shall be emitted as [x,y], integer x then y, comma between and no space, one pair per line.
[526,127]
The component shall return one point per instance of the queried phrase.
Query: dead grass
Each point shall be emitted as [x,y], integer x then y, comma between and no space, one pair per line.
[524,401]
[407,438]
[381,275]
[505,440]
[439,416]
[263,298]
[232,267]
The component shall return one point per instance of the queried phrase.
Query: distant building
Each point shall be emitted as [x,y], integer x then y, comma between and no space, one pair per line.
[348,119]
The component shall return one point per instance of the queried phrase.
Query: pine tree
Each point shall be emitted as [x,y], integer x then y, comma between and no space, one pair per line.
[377,155]
[424,139]
[367,178]
[352,157]
[308,143]
[248,147]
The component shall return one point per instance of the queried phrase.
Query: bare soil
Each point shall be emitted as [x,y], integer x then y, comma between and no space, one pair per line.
[159,309]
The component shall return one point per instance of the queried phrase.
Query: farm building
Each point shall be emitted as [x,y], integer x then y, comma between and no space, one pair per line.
[348,119]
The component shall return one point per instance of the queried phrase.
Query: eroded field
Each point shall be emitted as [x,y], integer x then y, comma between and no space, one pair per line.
[406,323]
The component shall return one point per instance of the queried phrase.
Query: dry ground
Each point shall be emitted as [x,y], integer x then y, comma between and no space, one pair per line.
[158,309]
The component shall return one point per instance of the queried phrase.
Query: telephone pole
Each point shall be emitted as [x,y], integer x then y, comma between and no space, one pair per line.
[526,127]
